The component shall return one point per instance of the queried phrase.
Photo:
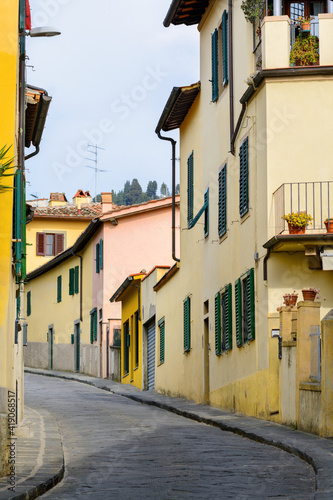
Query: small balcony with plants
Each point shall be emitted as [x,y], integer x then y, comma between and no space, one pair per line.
[303,221]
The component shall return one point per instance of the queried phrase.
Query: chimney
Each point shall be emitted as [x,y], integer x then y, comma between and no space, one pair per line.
[107,204]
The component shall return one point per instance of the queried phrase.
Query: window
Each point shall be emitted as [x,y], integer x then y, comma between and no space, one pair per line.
[244,177]
[28,303]
[161,326]
[219,41]
[222,215]
[187,324]
[93,325]
[206,213]
[99,256]
[223,320]
[126,343]
[190,189]
[59,288]
[49,244]
[74,280]
[245,308]
[136,322]
[71,281]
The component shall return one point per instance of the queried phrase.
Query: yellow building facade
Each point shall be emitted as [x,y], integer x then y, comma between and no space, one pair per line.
[247,156]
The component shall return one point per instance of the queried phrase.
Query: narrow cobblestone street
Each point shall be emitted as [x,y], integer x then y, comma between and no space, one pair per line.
[116,448]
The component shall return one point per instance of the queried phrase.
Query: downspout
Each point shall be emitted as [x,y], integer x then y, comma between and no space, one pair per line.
[173,145]
[231,78]
[265,263]
[32,154]
[21,137]
[239,122]
[81,281]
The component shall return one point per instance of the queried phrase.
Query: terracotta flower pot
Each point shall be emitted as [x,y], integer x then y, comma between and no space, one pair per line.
[290,299]
[306,26]
[329,228]
[309,295]
[296,229]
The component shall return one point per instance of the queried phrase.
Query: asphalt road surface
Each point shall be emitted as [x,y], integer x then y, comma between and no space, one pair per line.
[116,448]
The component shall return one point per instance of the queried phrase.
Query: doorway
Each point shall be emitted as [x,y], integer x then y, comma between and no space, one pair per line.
[206,349]
[50,341]
[77,342]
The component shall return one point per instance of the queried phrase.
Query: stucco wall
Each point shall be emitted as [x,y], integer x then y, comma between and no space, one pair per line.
[288,385]
[310,411]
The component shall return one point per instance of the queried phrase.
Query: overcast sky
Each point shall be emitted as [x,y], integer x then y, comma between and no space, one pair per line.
[109,73]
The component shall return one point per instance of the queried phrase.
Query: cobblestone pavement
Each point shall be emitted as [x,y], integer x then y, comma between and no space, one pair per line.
[116,448]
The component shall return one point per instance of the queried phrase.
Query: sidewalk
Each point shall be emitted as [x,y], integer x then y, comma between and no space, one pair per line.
[47,469]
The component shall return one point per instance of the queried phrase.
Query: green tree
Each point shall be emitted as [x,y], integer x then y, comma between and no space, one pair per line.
[151,190]
[134,193]
[177,189]
[164,190]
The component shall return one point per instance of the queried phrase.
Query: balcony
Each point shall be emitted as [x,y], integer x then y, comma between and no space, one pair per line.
[279,35]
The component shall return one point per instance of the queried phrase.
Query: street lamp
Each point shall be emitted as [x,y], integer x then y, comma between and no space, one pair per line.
[43,31]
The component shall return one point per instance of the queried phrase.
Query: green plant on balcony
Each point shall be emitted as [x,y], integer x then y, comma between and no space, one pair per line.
[253,9]
[297,221]
[5,167]
[305,51]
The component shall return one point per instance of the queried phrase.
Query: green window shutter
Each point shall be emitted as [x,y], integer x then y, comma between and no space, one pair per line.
[218,324]
[28,303]
[101,254]
[76,279]
[190,189]
[206,219]
[244,177]
[97,258]
[72,338]
[187,325]
[227,318]
[215,67]
[222,216]
[161,325]
[91,328]
[71,281]
[238,308]
[95,325]
[251,305]
[59,288]
[225,48]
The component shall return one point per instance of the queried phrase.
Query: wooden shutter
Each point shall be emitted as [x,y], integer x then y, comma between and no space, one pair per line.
[58,243]
[251,305]
[76,279]
[40,244]
[218,324]
[190,189]
[244,178]
[59,288]
[222,215]
[101,254]
[97,258]
[238,309]
[187,324]
[227,318]
[95,325]
[215,67]
[71,281]
[225,48]
[91,328]
[161,325]
[206,219]
[28,303]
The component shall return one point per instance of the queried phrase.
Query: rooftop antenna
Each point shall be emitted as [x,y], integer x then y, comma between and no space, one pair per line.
[94,150]
[35,196]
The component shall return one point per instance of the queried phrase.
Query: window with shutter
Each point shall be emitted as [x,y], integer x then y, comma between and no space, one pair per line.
[244,177]
[136,325]
[245,308]
[76,279]
[59,289]
[97,258]
[93,325]
[126,344]
[187,324]
[226,323]
[161,325]
[218,342]
[29,303]
[101,254]
[190,189]
[71,281]
[222,215]
[50,244]
[225,48]
[59,243]
[206,216]
[215,68]
[40,244]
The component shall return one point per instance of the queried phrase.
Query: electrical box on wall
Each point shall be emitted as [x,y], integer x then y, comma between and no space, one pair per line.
[327,259]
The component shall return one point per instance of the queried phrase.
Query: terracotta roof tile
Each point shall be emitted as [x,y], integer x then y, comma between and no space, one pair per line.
[89,211]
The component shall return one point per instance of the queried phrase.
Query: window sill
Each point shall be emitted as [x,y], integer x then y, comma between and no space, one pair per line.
[160,363]
[223,238]
[245,217]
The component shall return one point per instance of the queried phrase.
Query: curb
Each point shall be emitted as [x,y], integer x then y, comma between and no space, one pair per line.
[319,458]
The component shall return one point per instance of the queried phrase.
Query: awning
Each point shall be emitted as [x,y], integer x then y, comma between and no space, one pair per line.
[37,105]
[177,107]
[185,12]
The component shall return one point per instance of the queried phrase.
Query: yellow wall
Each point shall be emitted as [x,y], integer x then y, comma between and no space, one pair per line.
[71,228]
[129,300]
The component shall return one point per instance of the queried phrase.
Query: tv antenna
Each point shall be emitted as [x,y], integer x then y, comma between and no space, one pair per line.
[94,151]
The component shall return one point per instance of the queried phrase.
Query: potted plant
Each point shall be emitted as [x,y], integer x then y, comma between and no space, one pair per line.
[310,293]
[297,222]
[304,22]
[253,9]
[305,51]
[329,225]
[290,299]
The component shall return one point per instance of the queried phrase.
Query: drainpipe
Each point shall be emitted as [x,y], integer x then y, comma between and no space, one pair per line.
[81,280]
[231,78]
[277,7]
[265,263]
[173,144]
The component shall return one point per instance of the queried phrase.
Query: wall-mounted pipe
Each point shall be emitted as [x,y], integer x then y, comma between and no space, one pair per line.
[173,145]
[231,78]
